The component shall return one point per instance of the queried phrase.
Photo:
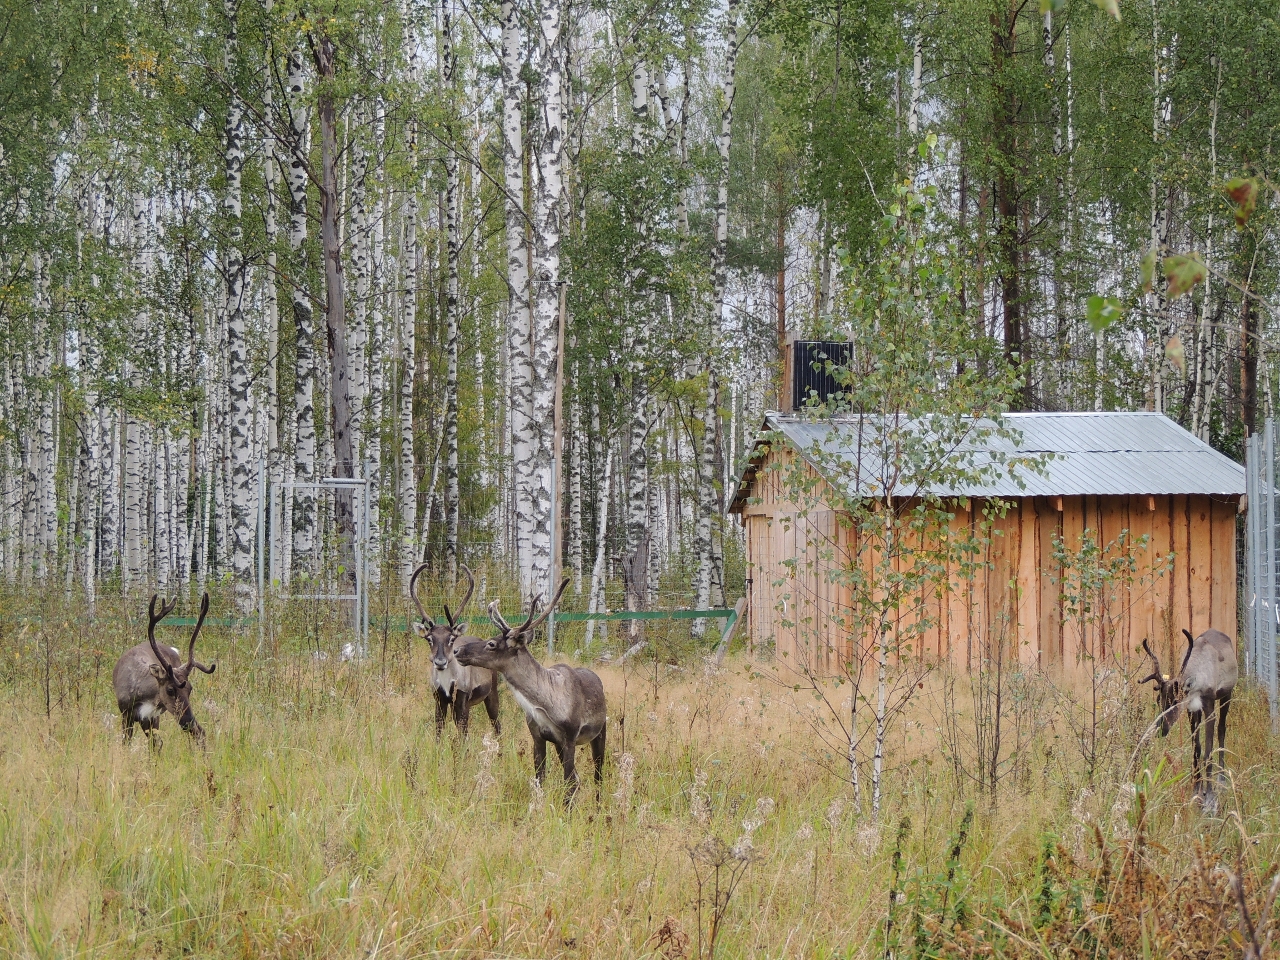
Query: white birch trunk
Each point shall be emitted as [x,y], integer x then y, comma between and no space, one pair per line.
[519,321]
[453,495]
[596,601]
[408,484]
[374,418]
[575,494]
[271,319]
[303,506]
[239,412]
[706,477]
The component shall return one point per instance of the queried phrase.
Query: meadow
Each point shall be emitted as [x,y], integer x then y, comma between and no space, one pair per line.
[324,818]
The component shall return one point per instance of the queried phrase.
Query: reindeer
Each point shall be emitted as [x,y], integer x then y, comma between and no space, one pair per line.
[1203,689]
[451,682]
[150,679]
[562,705]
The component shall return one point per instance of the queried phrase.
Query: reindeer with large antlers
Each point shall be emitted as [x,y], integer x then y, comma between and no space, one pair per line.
[151,679]
[562,705]
[451,682]
[1202,688]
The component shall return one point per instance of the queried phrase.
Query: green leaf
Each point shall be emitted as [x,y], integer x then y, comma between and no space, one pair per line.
[1243,192]
[1175,354]
[1111,7]
[1052,6]
[1183,272]
[1102,312]
[1148,270]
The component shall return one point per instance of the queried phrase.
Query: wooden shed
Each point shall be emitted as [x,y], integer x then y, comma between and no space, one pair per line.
[1106,473]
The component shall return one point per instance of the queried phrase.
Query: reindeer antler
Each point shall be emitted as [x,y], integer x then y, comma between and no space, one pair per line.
[1191,642]
[496,616]
[165,610]
[532,624]
[191,648]
[413,592]
[471,588]
[1157,676]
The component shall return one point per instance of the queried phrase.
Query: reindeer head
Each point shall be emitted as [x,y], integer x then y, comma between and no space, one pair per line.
[506,646]
[174,679]
[1168,689]
[441,636]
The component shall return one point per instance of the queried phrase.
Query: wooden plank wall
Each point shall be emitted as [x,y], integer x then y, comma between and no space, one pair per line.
[1016,601]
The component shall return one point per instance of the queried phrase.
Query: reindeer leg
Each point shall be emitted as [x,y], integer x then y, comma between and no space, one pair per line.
[491,708]
[1195,752]
[126,722]
[1223,708]
[442,711]
[461,712]
[1210,733]
[569,757]
[597,755]
[539,756]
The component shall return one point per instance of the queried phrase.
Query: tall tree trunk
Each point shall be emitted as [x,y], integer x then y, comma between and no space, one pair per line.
[325,53]
[706,477]
[303,506]
[408,485]
[452,494]
[547,202]
[234,272]
[271,319]
[519,320]
[1008,241]
[1249,333]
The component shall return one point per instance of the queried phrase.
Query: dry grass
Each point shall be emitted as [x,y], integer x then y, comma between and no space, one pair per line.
[324,819]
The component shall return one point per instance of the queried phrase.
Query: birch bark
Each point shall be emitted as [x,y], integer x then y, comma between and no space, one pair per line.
[519,321]
[408,484]
[703,547]
[271,318]
[234,272]
[452,495]
[304,452]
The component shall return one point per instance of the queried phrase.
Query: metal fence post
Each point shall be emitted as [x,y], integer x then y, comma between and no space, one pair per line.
[1253,503]
[1268,634]
[262,548]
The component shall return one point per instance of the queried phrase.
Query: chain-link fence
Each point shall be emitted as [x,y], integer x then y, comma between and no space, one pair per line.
[1262,566]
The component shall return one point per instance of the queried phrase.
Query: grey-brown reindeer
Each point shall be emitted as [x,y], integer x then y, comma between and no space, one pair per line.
[151,679]
[562,705]
[1202,688]
[452,684]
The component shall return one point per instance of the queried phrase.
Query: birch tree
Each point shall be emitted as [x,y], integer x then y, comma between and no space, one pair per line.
[237,348]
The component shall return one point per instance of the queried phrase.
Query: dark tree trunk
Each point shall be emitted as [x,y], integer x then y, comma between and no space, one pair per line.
[325,52]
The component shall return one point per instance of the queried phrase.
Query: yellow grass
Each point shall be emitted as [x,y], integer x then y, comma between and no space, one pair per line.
[325,819]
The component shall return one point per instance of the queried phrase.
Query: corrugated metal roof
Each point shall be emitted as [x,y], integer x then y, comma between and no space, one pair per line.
[1107,454]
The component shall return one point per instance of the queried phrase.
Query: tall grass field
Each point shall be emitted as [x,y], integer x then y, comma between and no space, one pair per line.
[323,817]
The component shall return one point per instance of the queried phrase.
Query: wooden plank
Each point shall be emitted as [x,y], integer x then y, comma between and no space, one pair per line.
[1142,608]
[1223,531]
[1049,524]
[1073,526]
[1201,567]
[1113,519]
[957,606]
[1028,632]
[1159,588]
[1180,589]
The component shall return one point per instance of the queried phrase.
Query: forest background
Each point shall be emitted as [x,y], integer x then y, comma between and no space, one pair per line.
[333,238]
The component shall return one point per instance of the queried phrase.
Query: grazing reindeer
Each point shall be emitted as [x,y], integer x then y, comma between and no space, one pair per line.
[150,679]
[1203,689]
[451,682]
[563,705]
